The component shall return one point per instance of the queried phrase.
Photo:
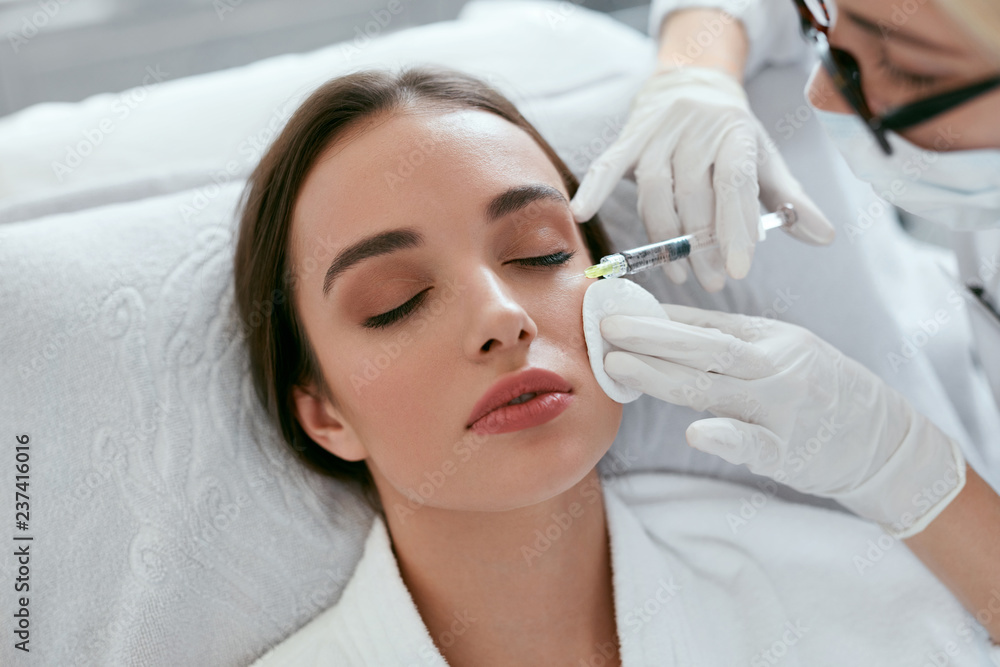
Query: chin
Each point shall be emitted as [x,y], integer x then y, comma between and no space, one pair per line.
[554,466]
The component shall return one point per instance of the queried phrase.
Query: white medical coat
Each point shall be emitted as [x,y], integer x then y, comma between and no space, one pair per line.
[978,256]
[705,573]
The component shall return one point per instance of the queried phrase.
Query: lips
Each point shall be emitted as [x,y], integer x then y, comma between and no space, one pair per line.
[532,381]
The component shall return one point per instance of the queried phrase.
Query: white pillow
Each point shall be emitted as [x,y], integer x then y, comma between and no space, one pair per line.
[170,527]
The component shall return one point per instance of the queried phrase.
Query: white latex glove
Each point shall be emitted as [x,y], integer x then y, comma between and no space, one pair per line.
[701,159]
[793,408]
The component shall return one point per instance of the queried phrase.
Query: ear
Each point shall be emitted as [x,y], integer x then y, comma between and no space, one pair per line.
[325,424]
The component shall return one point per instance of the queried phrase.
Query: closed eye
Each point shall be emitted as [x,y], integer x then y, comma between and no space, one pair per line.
[396,314]
[389,318]
[904,77]
[555,259]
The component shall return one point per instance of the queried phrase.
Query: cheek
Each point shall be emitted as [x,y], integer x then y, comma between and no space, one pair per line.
[561,307]
[564,322]
[976,120]
[398,385]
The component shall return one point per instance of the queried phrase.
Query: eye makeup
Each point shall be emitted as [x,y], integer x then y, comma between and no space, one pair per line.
[398,314]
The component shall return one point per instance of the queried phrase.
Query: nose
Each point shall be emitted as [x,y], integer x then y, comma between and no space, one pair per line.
[823,94]
[496,321]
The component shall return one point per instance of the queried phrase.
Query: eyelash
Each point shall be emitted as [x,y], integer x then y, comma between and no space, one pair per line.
[904,77]
[555,259]
[397,314]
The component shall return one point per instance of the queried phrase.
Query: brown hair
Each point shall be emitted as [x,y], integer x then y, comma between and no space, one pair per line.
[281,356]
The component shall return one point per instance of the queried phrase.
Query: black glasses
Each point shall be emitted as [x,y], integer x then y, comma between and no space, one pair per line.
[846,75]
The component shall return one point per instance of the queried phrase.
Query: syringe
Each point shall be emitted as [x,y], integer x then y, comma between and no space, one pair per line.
[671,250]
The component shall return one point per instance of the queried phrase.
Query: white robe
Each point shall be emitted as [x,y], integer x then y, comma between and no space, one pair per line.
[705,572]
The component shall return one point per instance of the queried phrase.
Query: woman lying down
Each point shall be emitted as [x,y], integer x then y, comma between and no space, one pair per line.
[457,264]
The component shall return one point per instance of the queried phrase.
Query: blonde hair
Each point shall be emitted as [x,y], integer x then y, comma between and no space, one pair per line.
[981,18]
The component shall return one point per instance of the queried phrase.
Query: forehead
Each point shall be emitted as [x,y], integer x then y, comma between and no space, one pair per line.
[922,18]
[408,167]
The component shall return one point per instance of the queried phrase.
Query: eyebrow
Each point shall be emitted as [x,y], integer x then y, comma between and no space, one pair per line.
[886,31]
[504,204]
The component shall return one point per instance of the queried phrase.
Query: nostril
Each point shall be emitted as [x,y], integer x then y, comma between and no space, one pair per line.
[524,335]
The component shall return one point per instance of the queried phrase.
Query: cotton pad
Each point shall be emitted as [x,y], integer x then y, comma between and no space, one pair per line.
[613,296]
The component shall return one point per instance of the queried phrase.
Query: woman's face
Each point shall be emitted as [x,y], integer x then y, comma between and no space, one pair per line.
[907,52]
[413,331]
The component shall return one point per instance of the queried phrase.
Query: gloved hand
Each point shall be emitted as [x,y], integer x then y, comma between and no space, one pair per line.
[700,158]
[793,408]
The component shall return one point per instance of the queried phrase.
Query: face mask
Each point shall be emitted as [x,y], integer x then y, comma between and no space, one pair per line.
[960,189]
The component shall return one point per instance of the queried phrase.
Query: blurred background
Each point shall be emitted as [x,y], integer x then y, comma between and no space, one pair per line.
[66,50]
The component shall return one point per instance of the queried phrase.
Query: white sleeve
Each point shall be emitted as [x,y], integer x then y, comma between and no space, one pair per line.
[772,28]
